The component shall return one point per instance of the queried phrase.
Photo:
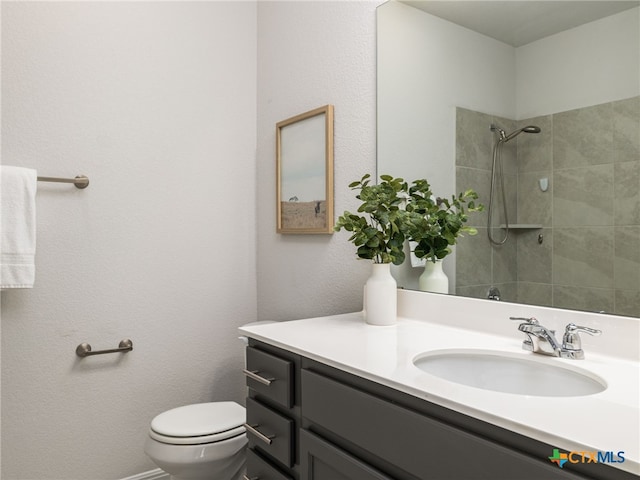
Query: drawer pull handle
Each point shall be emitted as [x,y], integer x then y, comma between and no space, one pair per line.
[253,429]
[253,374]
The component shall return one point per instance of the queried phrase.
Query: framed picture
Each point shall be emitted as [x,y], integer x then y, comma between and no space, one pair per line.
[304,169]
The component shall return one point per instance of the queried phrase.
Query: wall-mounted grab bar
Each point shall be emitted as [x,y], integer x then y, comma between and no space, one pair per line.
[81,181]
[84,349]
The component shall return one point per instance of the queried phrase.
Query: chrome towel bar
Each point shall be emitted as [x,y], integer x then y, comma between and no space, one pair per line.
[81,181]
[84,349]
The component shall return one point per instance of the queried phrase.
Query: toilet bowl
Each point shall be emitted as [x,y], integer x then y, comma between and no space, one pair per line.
[203,441]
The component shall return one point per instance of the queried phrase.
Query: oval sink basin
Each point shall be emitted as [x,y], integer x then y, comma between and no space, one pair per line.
[509,374]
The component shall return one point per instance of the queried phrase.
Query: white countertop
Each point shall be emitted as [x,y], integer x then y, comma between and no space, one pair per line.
[608,421]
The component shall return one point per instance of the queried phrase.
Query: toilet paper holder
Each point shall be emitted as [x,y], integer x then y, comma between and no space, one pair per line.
[84,349]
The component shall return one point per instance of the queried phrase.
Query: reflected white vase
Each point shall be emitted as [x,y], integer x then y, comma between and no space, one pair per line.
[433,279]
[381,296]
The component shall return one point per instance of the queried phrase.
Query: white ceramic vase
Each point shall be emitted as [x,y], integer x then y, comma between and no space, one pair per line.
[381,296]
[433,279]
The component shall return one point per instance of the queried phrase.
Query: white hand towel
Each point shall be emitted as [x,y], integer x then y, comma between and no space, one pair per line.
[17,227]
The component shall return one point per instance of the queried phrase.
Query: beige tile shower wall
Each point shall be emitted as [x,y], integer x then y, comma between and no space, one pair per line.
[479,265]
[596,205]
[535,207]
[590,215]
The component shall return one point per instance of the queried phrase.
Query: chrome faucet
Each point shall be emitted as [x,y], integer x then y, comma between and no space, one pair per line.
[539,338]
[542,340]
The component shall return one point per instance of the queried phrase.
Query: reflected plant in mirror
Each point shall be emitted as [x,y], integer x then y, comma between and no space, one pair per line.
[434,224]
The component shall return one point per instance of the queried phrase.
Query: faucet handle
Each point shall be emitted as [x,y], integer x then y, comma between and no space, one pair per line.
[573,328]
[571,339]
[530,320]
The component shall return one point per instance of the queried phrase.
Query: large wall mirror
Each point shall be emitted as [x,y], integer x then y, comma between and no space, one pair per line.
[554,88]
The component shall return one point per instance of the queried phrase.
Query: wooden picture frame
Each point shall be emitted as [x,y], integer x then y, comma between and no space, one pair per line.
[304,172]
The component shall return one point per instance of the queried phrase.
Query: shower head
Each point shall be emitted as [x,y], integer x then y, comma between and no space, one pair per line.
[528,129]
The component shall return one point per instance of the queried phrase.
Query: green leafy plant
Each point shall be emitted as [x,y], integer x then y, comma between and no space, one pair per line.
[379,231]
[436,223]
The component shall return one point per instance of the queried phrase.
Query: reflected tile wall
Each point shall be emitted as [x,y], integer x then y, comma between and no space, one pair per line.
[473,139]
[626,194]
[583,196]
[534,258]
[583,298]
[478,265]
[589,258]
[583,137]
[535,151]
[473,260]
[535,294]
[627,258]
[627,302]
[534,204]
[583,256]
[505,270]
[626,130]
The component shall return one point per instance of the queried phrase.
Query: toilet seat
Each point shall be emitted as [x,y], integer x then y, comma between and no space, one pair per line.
[199,423]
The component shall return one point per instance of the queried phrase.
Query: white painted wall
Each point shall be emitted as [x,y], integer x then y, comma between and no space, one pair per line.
[428,67]
[588,65]
[156,103]
[312,54]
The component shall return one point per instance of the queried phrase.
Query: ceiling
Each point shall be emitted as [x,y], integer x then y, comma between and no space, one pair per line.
[517,22]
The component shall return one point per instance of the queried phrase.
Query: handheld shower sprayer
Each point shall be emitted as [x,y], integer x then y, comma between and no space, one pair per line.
[497,178]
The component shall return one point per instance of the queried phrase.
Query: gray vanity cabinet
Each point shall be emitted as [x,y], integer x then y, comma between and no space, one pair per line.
[273,412]
[260,468]
[349,428]
[320,460]
[420,446]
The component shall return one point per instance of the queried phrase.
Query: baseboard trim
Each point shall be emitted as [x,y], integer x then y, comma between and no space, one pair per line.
[156,474]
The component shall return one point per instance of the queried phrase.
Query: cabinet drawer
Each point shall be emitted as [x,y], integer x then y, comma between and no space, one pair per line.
[322,461]
[270,376]
[259,468]
[270,432]
[421,446]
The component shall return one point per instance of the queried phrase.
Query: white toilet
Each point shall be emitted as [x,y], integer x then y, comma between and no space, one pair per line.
[204,441]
